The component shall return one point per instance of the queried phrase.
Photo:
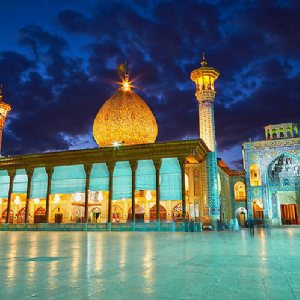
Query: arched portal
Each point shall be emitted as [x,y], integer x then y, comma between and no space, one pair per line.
[241,215]
[283,181]
[177,213]
[258,211]
[11,216]
[58,214]
[40,215]
[21,215]
[95,215]
[117,213]
[139,214]
[162,213]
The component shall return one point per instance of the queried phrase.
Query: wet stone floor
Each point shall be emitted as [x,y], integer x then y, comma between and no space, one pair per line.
[145,265]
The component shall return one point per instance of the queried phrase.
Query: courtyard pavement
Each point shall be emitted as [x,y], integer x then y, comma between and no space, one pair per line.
[150,265]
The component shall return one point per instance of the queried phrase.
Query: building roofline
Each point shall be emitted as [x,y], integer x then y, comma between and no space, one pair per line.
[186,148]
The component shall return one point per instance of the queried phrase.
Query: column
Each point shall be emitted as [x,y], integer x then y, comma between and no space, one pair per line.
[133,165]
[182,163]
[87,169]
[11,174]
[212,188]
[29,173]
[110,167]
[157,165]
[49,171]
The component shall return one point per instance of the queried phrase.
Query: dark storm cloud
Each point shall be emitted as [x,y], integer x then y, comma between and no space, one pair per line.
[56,91]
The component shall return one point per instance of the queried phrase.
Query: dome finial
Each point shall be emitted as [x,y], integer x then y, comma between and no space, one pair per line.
[126,84]
[203,62]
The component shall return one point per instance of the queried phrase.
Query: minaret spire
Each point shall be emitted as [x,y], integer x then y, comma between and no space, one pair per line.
[203,62]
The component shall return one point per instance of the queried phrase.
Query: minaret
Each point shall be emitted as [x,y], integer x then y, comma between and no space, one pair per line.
[204,78]
[4,109]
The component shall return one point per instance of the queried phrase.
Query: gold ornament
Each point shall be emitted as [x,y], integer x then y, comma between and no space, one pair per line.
[124,119]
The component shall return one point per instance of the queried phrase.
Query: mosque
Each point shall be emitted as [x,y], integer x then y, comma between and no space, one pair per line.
[130,179]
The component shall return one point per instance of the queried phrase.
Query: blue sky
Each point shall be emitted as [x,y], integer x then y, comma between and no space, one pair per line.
[58,66]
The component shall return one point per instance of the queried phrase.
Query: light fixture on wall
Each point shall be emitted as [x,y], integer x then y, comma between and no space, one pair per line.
[100,196]
[36,200]
[77,197]
[148,195]
[17,200]
[56,198]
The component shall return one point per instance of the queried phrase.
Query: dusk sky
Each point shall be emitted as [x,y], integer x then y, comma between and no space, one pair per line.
[58,63]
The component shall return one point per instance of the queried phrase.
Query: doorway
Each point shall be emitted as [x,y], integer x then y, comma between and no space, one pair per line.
[289,214]
[258,213]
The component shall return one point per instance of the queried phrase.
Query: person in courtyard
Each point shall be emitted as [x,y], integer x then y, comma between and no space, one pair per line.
[230,225]
[218,224]
[251,225]
[236,226]
[267,222]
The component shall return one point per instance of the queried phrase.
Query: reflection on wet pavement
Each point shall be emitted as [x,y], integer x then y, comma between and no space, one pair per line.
[140,265]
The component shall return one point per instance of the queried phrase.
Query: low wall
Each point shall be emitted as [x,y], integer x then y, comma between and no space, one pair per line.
[171,227]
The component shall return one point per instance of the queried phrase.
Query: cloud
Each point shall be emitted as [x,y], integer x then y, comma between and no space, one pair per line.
[56,92]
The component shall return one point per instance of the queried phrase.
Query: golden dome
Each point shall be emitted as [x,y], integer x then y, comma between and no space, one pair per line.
[124,119]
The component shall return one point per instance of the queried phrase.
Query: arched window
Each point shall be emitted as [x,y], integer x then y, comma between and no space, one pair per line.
[295,131]
[239,191]
[281,133]
[255,178]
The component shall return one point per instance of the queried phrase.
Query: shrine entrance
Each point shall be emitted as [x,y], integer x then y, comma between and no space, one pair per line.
[241,215]
[21,215]
[11,216]
[177,213]
[289,214]
[96,215]
[283,181]
[162,214]
[139,214]
[40,215]
[258,212]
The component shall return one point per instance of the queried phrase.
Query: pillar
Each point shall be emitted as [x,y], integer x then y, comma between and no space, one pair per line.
[157,165]
[49,171]
[29,173]
[87,169]
[182,163]
[11,174]
[133,165]
[212,188]
[110,167]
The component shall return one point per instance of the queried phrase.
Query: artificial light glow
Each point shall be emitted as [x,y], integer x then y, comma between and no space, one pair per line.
[77,197]
[116,144]
[259,203]
[126,85]
[0,200]
[148,195]
[36,200]
[17,200]
[100,196]
[56,198]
